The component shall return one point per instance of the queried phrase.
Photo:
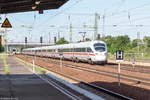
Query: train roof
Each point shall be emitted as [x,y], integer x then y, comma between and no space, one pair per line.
[71,45]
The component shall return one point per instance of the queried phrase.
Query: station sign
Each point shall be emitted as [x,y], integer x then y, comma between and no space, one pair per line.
[119,55]
[6,24]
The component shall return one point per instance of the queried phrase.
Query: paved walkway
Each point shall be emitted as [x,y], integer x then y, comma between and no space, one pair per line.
[21,84]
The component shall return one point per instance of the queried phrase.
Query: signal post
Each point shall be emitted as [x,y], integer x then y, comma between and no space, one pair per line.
[119,59]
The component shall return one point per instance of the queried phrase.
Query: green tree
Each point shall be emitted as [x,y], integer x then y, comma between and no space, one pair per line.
[117,43]
[62,41]
[135,43]
[87,39]
[147,41]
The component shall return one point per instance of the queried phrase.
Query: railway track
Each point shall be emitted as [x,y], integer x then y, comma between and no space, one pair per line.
[99,89]
[114,94]
[45,62]
[134,79]
[141,69]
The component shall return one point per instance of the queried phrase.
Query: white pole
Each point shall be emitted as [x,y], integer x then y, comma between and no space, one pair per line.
[119,74]
[33,63]
[61,64]
[133,62]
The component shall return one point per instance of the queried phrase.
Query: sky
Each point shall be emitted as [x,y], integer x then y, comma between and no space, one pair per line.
[116,17]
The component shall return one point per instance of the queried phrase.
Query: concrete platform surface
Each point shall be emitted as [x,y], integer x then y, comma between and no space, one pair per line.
[21,84]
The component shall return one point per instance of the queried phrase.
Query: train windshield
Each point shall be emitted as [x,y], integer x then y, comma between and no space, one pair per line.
[99,47]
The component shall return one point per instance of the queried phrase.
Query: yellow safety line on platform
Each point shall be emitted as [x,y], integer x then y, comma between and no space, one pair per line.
[37,68]
[6,66]
[46,71]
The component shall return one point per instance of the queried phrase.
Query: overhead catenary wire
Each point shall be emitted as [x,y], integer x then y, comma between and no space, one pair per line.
[61,12]
[123,23]
[129,10]
[137,19]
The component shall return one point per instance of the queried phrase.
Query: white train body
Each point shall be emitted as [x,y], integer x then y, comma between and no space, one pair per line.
[93,51]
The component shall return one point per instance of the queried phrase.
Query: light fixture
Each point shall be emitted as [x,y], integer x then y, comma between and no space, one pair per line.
[37,2]
[33,7]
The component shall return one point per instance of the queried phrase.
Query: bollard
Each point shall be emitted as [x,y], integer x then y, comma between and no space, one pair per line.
[119,74]
[33,64]
[61,63]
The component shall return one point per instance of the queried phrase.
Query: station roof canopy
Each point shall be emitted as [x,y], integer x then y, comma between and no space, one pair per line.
[14,6]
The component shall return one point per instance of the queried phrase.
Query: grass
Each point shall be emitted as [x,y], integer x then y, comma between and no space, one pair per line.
[127,56]
[3,57]
[7,69]
[40,70]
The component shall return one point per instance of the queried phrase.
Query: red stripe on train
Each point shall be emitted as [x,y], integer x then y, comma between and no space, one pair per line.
[91,54]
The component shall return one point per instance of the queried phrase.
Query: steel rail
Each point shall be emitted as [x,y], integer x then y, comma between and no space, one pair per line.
[110,74]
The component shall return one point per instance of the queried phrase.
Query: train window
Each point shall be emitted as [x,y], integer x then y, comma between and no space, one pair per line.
[83,49]
[77,50]
[66,50]
[72,50]
[50,50]
[60,50]
[99,47]
[43,50]
[63,50]
[89,50]
[69,50]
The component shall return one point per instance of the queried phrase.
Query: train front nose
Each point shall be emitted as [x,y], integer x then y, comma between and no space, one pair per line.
[101,56]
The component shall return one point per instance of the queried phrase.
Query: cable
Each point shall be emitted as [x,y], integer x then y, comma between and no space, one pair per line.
[61,12]
[120,5]
[129,10]
[137,19]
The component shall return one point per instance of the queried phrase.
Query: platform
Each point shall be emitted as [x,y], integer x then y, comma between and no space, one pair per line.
[21,84]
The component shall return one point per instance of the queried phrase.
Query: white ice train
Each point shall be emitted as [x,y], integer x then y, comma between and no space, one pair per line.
[91,52]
